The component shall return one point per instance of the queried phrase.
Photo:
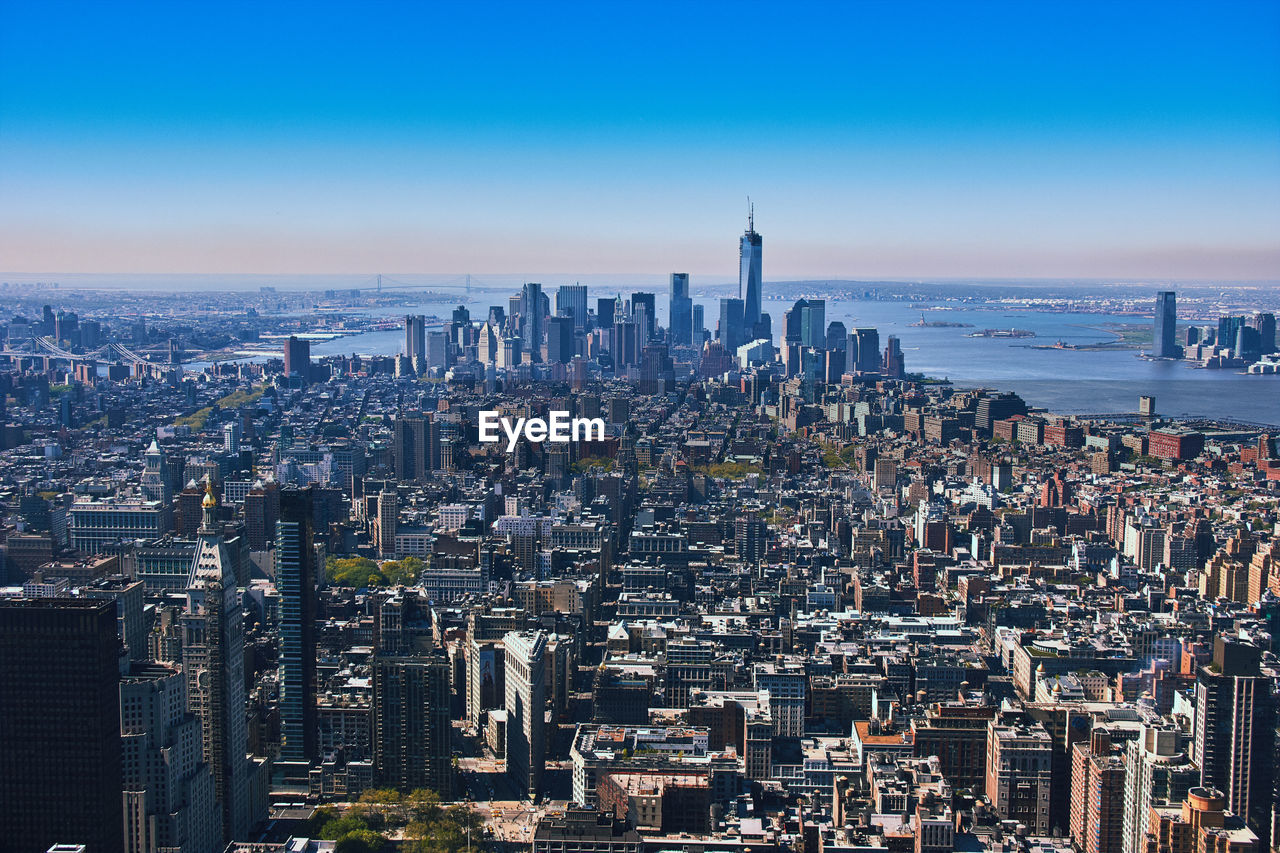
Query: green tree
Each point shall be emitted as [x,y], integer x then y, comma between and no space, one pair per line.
[360,841]
[353,571]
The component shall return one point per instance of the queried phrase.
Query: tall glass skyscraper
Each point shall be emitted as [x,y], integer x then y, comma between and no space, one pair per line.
[1165,342]
[532,318]
[750,281]
[681,310]
[296,582]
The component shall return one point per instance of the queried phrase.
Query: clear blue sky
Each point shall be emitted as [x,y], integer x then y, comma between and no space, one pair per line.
[895,139]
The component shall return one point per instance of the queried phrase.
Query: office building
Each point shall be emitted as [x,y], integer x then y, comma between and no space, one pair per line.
[296,584]
[750,277]
[168,789]
[1019,773]
[60,764]
[681,310]
[411,724]
[155,475]
[1165,340]
[213,660]
[99,526]
[626,349]
[1265,323]
[560,348]
[571,301]
[645,304]
[605,312]
[526,702]
[415,339]
[533,317]
[730,331]
[864,350]
[894,366]
[699,325]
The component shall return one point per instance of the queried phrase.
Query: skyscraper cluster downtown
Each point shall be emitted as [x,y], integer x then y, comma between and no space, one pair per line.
[779,596]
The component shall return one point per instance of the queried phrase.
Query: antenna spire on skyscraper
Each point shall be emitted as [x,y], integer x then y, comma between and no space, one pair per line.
[751,215]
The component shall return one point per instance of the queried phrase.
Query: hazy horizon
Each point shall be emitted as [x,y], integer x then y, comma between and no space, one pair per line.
[882,141]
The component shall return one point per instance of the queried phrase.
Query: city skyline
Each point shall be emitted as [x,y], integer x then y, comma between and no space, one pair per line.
[906,141]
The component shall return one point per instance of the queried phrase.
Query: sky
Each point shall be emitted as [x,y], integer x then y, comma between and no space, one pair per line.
[876,139]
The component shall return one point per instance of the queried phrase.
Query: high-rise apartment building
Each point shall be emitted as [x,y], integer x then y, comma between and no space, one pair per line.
[1158,772]
[1097,795]
[526,709]
[60,764]
[1235,731]
[296,583]
[297,358]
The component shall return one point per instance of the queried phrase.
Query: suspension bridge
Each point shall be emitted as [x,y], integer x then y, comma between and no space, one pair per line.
[48,349]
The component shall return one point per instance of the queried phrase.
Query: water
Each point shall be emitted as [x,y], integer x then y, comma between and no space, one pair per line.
[1061,381]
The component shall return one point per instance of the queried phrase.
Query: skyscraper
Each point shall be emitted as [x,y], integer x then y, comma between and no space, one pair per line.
[1157,772]
[168,789]
[213,660]
[526,702]
[415,339]
[410,447]
[60,766]
[864,350]
[894,366]
[560,348]
[681,312]
[604,312]
[296,583]
[731,327]
[411,724]
[699,324]
[1165,340]
[645,303]
[813,323]
[1265,323]
[571,301]
[750,281]
[1235,733]
[297,358]
[532,318]
[155,477]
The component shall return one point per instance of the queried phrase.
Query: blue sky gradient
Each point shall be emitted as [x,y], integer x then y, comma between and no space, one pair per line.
[878,139]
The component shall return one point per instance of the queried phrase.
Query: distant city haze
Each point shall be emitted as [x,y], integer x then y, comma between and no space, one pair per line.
[877,140]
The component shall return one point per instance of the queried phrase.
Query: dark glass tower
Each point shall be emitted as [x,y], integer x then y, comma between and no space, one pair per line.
[296,582]
[681,310]
[532,318]
[1164,342]
[750,282]
[60,767]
